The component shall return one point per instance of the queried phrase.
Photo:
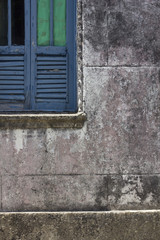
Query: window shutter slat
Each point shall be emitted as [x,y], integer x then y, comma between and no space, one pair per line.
[11,64]
[12,73]
[11,77]
[9,69]
[51,58]
[50,81]
[11,58]
[8,98]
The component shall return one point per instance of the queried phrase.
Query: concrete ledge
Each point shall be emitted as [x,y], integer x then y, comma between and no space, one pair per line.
[116,225]
[33,121]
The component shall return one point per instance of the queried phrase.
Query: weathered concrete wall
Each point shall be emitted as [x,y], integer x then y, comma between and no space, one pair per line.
[113,162]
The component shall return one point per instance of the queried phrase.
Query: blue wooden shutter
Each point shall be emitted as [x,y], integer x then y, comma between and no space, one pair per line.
[14,68]
[36,78]
[53,69]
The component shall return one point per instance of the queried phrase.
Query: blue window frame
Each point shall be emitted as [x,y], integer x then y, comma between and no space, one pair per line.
[32,77]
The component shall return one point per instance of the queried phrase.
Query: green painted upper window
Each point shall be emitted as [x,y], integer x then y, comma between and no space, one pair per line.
[51,22]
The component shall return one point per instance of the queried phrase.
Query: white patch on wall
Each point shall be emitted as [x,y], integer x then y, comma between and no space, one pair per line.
[7,135]
[149,199]
[130,197]
[20,140]
[51,137]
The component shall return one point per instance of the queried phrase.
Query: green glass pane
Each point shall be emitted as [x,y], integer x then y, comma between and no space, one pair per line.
[43,23]
[59,22]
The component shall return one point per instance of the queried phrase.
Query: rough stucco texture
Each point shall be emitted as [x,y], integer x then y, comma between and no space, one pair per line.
[113,162]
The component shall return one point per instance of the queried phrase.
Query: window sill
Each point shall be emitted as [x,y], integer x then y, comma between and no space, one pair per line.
[42,120]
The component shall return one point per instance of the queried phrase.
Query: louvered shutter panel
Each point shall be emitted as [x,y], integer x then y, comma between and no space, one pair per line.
[12,78]
[51,84]
[53,69]
[12,84]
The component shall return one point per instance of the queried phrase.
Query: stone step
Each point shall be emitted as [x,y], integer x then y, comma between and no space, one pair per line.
[114,225]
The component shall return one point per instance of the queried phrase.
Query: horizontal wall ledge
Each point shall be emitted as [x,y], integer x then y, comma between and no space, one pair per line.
[126,225]
[35,121]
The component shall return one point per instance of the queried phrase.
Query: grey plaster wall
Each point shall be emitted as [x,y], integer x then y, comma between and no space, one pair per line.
[113,162]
